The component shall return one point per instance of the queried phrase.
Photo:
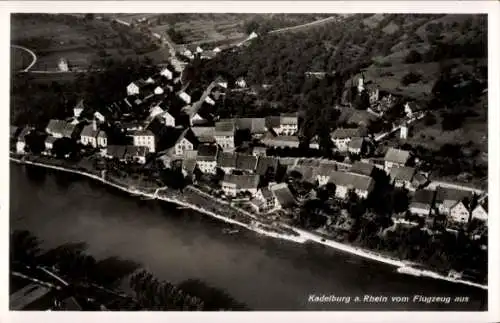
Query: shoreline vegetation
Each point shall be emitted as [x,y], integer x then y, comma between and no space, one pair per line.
[235,216]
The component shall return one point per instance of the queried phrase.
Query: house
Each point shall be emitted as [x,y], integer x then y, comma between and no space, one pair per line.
[246,163]
[241,82]
[136,154]
[206,160]
[345,181]
[459,213]
[88,136]
[102,139]
[395,158]
[224,134]
[264,200]
[259,151]
[204,134]
[167,119]
[284,197]
[341,137]
[167,73]
[266,165]
[411,109]
[99,116]
[188,167]
[234,184]
[56,127]
[289,125]
[226,161]
[156,110]
[422,203]
[135,88]
[21,140]
[31,297]
[321,173]
[185,97]
[356,145]
[186,141]
[307,173]
[480,212]
[14,133]
[402,177]
[256,126]
[49,144]
[158,90]
[362,168]
[448,199]
[281,141]
[144,138]
[209,100]
[116,152]
[78,109]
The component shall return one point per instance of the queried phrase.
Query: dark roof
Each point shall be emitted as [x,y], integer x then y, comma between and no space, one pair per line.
[204,134]
[224,128]
[264,163]
[56,126]
[133,151]
[255,125]
[397,156]
[424,196]
[69,129]
[189,165]
[242,181]
[273,122]
[116,151]
[362,168]
[355,181]
[402,173]
[14,131]
[88,131]
[189,136]
[307,172]
[24,132]
[226,160]
[324,169]
[50,139]
[207,152]
[451,194]
[246,162]
[356,143]
[341,133]
[283,195]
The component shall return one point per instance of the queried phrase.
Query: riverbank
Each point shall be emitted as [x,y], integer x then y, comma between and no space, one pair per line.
[301,237]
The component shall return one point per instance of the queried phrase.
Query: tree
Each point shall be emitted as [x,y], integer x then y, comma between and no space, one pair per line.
[413,57]
[410,78]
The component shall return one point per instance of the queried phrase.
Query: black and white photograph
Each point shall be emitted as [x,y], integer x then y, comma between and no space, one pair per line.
[239,161]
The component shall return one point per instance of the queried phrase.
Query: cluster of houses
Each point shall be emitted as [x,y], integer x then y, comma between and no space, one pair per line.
[177,124]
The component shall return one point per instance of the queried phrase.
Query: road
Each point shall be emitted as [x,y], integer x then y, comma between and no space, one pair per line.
[309,24]
[32,55]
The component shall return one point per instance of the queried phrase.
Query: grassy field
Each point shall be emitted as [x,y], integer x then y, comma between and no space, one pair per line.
[81,42]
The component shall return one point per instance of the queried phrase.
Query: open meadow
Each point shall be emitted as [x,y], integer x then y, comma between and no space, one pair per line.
[81,41]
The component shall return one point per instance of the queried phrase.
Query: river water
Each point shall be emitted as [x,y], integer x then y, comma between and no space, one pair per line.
[180,244]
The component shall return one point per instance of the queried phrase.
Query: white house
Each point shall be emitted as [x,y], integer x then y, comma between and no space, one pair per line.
[168,119]
[144,138]
[234,184]
[459,213]
[344,181]
[21,140]
[88,136]
[49,144]
[158,90]
[265,200]
[133,89]
[289,125]
[185,97]
[209,100]
[480,212]
[422,203]
[102,139]
[99,116]
[241,82]
[186,142]
[341,137]
[199,50]
[206,159]
[167,73]
[395,158]
[78,109]
[283,196]
[224,134]
[402,177]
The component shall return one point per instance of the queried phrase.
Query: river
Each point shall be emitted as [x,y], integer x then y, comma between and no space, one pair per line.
[176,245]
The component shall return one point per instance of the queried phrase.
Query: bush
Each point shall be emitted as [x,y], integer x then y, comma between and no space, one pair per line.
[413,57]
[410,78]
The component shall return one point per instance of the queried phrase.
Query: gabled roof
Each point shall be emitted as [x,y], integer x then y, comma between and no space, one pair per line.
[246,162]
[397,156]
[362,168]
[255,125]
[204,134]
[289,119]
[56,126]
[189,136]
[226,160]
[242,181]
[116,151]
[146,132]
[342,133]
[402,173]
[445,193]
[189,165]
[136,151]
[273,121]
[88,131]
[283,195]
[50,140]
[14,131]
[356,143]
[355,181]
[207,152]
[424,196]
[266,193]
[307,172]
[69,129]
[264,163]
[224,128]
[324,170]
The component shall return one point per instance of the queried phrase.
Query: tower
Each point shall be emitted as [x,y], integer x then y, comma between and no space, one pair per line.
[404,131]
[361,85]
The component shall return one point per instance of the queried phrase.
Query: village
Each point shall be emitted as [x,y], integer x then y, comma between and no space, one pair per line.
[260,165]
